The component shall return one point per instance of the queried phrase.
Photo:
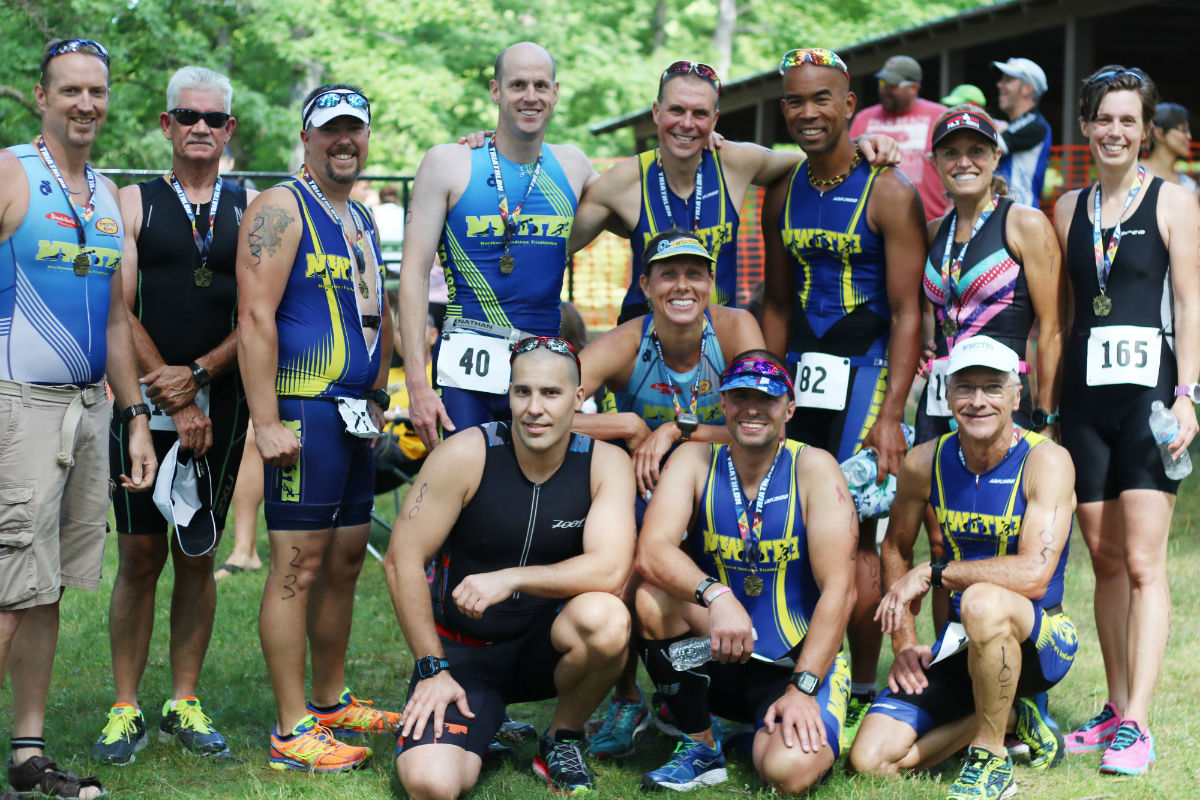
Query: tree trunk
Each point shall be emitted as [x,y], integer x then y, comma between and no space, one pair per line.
[727,14]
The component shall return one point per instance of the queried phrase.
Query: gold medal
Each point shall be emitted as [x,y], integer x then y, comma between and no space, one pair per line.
[202,276]
[753,585]
[1102,305]
[362,287]
[507,263]
[83,263]
[949,327]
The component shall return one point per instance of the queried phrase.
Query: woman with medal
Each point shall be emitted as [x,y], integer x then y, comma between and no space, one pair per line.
[1130,244]
[662,372]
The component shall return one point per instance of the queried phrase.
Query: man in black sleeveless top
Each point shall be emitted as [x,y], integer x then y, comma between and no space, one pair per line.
[180,246]
[532,530]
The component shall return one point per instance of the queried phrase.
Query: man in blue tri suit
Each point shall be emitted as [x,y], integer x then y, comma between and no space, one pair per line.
[768,531]
[499,218]
[845,249]
[1025,139]
[1004,498]
[63,330]
[313,348]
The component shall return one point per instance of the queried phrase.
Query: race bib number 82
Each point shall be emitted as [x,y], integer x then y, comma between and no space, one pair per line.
[822,381]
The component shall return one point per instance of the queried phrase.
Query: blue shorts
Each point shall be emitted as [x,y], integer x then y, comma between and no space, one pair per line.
[467,409]
[332,484]
[1045,658]
[842,432]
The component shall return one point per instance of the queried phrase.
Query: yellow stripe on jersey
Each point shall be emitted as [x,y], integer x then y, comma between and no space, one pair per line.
[475,279]
[873,409]
[792,627]
[709,500]
[852,297]
[956,551]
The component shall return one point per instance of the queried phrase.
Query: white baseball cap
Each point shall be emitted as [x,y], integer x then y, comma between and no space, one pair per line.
[1024,70]
[333,104]
[982,351]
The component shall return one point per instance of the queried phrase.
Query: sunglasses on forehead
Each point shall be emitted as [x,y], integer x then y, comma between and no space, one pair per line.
[684,67]
[335,98]
[817,56]
[190,116]
[1117,74]
[552,343]
[76,46]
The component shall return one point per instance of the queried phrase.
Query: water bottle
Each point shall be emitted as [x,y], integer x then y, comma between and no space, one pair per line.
[690,653]
[861,469]
[1165,428]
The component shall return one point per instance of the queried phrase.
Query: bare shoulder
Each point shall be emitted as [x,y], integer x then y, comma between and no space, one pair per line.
[457,460]
[918,462]
[575,164]
[736,328]
[1066,203]
[607,457]
[814,463]
[107,182]
[624,338]
[1049,460]
[618,177]
[1028,223]
[129,198]
[892,184]
[1177,202]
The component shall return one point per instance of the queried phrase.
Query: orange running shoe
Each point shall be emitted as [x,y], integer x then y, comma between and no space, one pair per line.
[313,748]
[357,715]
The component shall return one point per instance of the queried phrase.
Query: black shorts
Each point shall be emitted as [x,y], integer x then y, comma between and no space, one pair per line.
[493,675]
[842,432]
[135,512]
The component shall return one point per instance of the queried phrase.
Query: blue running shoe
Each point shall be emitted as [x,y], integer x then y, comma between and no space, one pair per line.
[624,722]
[694,764]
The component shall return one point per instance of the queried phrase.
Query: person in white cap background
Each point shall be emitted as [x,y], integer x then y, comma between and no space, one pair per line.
[1004,497]
[908,119]
[1025,140]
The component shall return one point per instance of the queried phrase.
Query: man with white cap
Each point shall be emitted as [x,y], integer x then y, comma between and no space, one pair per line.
[765,567]
[1025,140]
[1004,498]
[908,119]
[313,347]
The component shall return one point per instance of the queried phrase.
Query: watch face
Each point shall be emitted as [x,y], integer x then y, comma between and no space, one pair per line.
[1194,392]
[687,422]
[428,666]
[806,682]
[1039,418]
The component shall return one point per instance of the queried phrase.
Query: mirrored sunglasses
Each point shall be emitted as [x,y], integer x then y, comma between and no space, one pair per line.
[684,67]
[817,56]
[554,344]
[335,98]
[76,46]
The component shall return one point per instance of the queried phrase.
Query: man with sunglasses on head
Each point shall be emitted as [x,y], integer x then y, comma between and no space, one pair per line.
[751,543]
[313,348]
[909,120]
[684,184]
[845,247]
[498,217]
[1004,498]
[531,531]
[182,304]
[63,331]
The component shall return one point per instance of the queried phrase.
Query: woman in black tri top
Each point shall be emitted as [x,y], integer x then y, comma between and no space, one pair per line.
[1131,244]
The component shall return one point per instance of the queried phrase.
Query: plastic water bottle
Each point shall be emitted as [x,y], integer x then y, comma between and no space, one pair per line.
[690,653]
[1165,428]
[861,471]
[861,468]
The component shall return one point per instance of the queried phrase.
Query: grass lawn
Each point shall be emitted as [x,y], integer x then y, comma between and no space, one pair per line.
[236,693]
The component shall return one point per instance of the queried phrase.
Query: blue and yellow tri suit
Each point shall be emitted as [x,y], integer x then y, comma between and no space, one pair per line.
[323,355]
[782,611]
[53,323]
[841,305]
[718,227]
[980,517]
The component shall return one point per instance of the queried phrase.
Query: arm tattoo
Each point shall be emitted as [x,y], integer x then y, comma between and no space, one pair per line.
[416,509]
[268,227]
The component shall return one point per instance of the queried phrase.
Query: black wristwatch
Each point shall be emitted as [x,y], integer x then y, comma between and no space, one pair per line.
[1041,418]
[935,572]
[806,682]
[132,411]
[429,666]
[380,397]
[704,587]
[200,375]
[687,422]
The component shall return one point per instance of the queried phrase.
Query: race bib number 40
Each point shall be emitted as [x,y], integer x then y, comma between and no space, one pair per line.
[1123,354]
[472,361]
[822,381]
[935,391]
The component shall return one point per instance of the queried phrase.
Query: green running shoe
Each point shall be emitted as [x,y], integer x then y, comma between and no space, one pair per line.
[1036,728]
[983,777]
[188,723]
[123,735]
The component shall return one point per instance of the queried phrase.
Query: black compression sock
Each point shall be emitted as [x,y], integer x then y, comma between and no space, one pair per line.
[685,693]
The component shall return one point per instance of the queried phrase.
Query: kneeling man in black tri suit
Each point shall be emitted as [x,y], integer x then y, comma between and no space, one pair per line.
[532,532]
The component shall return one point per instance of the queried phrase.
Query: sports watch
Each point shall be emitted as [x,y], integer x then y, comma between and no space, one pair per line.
[429,666]
[381,398]
[200,375]
[704,586]
[806,682]
[688,423]
[935,572]
[129,412]
[1189,390]
[1041,418]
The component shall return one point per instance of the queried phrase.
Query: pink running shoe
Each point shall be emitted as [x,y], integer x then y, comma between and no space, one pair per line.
[1131,752]
[1097,733]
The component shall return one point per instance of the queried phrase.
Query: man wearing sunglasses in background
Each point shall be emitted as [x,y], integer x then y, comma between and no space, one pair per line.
[845,246]
[182,303]
[313,348]
[909,120]
[499,217]
[63,329]
[684,184]
[1005,499]
[531,531]
[761,533]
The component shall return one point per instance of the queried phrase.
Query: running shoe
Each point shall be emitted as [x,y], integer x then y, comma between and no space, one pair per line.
[1097,733]
[1131,751]
[312,747]
[1036,728]
[983,777]
[188,723]
[856,709]
[513,730]
[694,764]
[560,762]
[124,734]
[352,714]
[624,722]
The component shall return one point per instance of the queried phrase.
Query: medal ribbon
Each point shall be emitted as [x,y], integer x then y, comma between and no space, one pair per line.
[90,209]
[510,219]
[698,192]
[356,243]
[671,384]
[952,269]
[1104,257]
[203,246]
[750,528]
